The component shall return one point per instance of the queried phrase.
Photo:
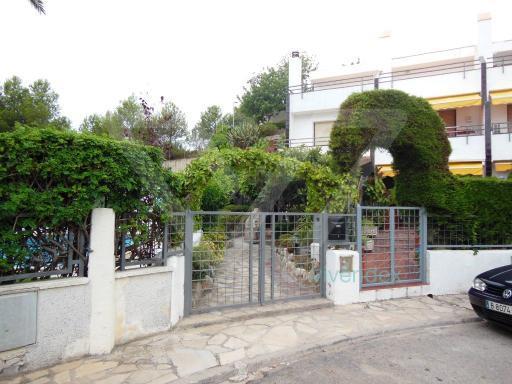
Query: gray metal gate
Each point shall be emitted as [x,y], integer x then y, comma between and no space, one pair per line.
[391,242]
[241,258]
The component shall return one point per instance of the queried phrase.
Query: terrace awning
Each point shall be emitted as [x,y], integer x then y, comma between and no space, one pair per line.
[385,171]
[457,168]
[505,166]
[455,101]
[467,168]
[501,97]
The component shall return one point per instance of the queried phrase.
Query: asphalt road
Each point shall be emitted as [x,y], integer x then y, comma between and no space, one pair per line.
[465,353]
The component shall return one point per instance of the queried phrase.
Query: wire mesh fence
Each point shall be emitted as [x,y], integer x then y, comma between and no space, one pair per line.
[293,259]
[391,245]
[243,258]
[223,260]
[449,232]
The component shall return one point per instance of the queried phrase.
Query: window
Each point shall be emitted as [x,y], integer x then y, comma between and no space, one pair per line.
[509,113]
[323,132]
[449,117]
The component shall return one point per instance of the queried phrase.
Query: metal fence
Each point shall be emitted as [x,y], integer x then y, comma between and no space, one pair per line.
[447,232]
[45,253]
[139,244]
[391,244]
[240,258]
[460,67]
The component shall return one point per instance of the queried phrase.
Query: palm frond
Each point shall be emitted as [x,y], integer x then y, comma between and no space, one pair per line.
[38,5]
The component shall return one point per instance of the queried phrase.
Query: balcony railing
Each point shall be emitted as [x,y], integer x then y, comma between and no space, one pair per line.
[430,70]
[502,128]
[465,130]
[457,131]
[307,142]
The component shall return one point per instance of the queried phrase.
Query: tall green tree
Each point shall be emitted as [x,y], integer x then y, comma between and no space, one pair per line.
[170,127]
[126,121]
[207,125]
[35,105]
[266,92]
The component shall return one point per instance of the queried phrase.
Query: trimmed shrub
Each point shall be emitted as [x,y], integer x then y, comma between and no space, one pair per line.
[405,125]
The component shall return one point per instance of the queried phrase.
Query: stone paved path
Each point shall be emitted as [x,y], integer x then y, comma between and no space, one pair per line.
[188,350]
[231,282]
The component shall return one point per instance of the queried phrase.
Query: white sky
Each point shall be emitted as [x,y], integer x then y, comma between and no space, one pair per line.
[198,53]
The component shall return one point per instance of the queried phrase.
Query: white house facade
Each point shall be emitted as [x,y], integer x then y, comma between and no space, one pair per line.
[470,87]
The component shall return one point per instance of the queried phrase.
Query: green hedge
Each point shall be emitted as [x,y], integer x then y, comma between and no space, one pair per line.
[52,179]
[487,204]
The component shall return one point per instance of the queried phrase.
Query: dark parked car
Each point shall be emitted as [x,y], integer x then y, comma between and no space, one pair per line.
[491,295]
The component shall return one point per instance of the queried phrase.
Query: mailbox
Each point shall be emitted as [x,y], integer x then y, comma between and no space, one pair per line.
[337,227]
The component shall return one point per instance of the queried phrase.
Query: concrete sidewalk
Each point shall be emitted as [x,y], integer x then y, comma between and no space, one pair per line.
[228,344]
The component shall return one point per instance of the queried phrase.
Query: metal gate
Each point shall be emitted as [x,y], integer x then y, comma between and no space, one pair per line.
[240,258]
[391,242]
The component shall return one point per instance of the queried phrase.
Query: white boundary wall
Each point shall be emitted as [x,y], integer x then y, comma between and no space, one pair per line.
[448,272]
[89,315]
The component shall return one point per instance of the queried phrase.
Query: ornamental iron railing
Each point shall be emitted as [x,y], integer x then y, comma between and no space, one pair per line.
[44,253]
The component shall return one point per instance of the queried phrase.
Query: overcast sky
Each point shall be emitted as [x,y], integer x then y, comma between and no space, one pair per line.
[198,53]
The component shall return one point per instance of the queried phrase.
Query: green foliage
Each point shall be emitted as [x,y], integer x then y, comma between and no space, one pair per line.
[218,192]
[165,128]
[312,155]
[170,126]
[207,126]
[484,204]
[220,139]
[269,129]
[405,125]
[244,135]
[377,193]
[208,253]
[266,92]
[264,178]
[415,137]
[126,121]
[35,105]
[52,179]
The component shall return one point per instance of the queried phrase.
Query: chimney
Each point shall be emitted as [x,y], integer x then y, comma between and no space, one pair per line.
[385,52]
[295,72]
[484,47]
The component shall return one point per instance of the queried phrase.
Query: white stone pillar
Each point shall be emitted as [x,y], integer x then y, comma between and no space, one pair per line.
[177,264]
[342,276]
[101,281]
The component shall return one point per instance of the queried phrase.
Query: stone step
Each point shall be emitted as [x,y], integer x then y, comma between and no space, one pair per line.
[247,312]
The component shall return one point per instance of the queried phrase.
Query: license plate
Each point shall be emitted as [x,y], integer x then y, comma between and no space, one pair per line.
[497,307]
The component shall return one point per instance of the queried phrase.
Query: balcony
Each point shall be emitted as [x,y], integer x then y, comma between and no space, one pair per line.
[465,130]
[479,129]
[502,128]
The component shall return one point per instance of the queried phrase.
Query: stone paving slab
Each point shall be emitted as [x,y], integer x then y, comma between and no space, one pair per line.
[190,353]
